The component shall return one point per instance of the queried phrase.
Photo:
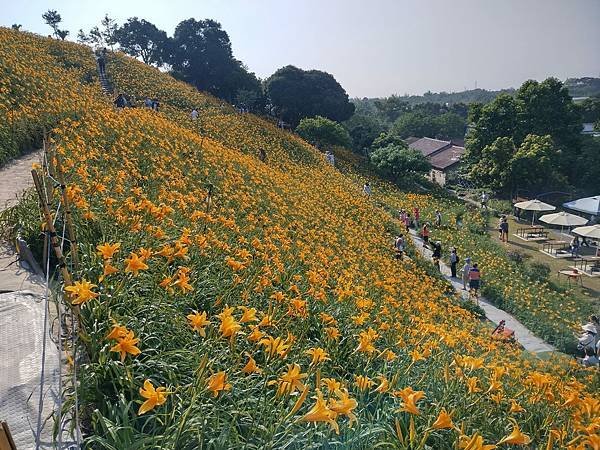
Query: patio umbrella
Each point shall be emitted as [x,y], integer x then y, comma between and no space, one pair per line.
[564,219]
[591,231]
[587,205]
[534,205]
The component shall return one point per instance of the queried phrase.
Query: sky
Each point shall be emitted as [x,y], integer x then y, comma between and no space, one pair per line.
[374,48]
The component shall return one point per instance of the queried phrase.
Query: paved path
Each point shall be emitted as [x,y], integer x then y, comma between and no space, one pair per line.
[15,177]
[525,337]
[22,318]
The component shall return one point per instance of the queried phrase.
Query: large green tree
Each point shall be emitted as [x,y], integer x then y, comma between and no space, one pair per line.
[533,165]
[295,93]
[323,132]
[399,161]
[536,109]
[201,55]
[493,167]
[104,35]
[142,39]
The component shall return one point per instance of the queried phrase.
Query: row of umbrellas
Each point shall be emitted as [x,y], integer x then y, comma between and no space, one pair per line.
[565,219]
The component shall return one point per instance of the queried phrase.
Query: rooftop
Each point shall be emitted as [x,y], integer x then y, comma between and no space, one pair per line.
[428,146]
[446,157]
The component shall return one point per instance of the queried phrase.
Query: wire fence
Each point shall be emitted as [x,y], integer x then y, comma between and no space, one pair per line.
[55,211]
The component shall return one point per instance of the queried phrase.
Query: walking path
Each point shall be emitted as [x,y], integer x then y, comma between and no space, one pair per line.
[22,318]
[525,337]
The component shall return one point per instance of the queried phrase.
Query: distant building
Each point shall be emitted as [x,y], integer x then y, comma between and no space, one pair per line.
[588,129]
[444,157]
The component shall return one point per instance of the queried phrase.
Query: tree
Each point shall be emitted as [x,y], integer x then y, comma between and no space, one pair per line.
[386,139]
[489,122]
[363,130]
[449,125]
[399,161]
[142,39]
[493,169]
[201,55]
[52,18]
[295,93]
[536,109]
[590,109]
[534,163]
[391,107]
[415,124]
[323,132]
[103,36]
[251,99]
[62,34]
[588,164]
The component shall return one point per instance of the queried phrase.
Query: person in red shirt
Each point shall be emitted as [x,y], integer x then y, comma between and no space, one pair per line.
[425,234]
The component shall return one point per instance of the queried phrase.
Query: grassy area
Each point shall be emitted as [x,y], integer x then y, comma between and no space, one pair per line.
[590,292]
[270,314]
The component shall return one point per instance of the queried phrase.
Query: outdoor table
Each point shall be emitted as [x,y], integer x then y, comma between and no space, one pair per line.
[592,261]
[532,232]
[572,275]
[549,246]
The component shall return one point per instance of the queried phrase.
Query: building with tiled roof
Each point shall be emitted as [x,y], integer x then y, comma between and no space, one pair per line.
[444,157]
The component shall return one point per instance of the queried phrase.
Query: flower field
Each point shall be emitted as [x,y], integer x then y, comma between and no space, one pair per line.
[551,314]
[232,303]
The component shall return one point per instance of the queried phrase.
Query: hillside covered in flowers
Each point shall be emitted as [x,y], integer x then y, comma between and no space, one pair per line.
[230,302]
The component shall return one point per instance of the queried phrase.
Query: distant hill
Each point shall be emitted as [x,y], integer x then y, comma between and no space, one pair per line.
[578,87]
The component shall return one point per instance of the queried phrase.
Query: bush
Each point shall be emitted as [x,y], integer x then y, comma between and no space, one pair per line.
[539,271]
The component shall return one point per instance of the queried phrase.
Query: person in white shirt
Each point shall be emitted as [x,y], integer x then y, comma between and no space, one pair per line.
[465,273]
[194,114]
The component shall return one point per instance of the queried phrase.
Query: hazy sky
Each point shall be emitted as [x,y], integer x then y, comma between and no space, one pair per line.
[374,47]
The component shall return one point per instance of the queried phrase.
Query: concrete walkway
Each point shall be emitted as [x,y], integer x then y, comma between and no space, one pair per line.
[22,319]
[525,337]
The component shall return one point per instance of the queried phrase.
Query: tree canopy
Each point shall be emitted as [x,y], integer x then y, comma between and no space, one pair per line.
[142,39]
[398,161]
[323,132]
[538,109]
[200,54]
[53,18]
[295,94]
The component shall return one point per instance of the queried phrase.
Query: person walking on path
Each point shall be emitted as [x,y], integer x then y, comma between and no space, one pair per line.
[438,218]
[101,60]
[425,235]
[407,222]
[474,279]
[504,229]
[399,246]
[453,262]
[417,215]
[194,114]
[575,247]
[465,272]
[484,200]
[367,189]
[437,254]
